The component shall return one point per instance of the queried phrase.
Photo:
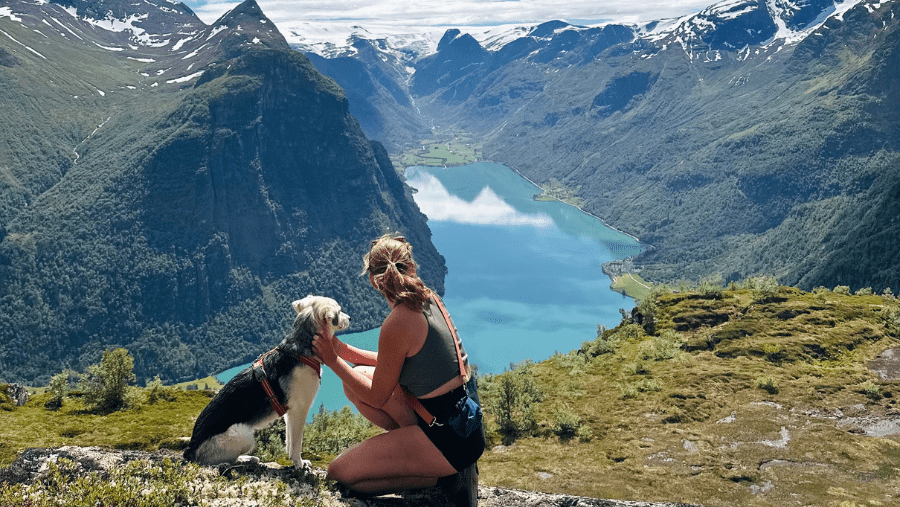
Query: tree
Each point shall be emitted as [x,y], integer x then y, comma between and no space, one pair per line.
[106,384]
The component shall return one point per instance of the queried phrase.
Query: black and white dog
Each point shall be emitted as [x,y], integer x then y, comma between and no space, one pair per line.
[285,379]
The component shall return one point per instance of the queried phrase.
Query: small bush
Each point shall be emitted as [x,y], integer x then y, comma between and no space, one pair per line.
[566,423]
[646,385]
[865,291]
[820,290]
[892,320]
[774,353]
[711,288]
[57,389]
[842,289]
[871,390]
[665,346]
[332,432]
[762,287]
[270,442]
[105,385]
[156,391]
[767,384]
[887,293]
[513,398]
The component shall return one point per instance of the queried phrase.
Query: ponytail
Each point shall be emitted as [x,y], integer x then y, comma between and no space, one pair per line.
[393,270]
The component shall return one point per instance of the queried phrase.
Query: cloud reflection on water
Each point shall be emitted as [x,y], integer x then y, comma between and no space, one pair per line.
[486,209]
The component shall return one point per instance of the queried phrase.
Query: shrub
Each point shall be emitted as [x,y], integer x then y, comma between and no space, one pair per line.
[762,287]
[887,293]
[649,307]
[57,389]
[711,288]
[332,432]
[105,385]
[156,391]
[871,390]
[566,423]
[645,385]
[892,320]
[767,384]
[820,290]
[865,291]
[270,442]
[665,346]
[842,289]
[774,353]
[514,400]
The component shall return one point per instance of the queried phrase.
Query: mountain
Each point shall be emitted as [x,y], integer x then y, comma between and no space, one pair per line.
[169,187]
[753,137]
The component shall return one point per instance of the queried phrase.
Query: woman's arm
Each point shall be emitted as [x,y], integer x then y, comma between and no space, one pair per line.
[399,330]
[355,355]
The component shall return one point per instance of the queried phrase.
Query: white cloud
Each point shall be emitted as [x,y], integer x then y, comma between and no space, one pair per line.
[457,13]
[486,209]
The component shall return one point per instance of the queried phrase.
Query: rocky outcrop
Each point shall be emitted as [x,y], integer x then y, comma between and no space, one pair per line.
[18,393]
[32,465]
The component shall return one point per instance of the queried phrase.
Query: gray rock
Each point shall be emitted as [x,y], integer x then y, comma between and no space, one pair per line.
[18,393]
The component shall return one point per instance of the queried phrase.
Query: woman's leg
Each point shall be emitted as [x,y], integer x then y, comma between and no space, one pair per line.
[394,414]
[398,460]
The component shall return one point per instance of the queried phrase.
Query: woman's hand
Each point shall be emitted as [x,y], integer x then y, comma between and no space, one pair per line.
[323,347]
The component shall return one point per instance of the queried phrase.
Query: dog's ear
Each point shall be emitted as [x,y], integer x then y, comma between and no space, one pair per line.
[296,306]
[336,320]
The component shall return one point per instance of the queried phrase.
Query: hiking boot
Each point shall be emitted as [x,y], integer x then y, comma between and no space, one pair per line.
[462,487]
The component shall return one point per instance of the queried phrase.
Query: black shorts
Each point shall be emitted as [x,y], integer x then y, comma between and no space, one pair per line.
[460,452]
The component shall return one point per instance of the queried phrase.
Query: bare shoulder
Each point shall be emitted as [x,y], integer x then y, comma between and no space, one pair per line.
[407,325]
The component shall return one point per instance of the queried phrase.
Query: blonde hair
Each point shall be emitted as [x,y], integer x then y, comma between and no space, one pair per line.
[390,262]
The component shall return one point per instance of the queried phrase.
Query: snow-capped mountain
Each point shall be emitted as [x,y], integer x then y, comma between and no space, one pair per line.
[737,140]
[173,45]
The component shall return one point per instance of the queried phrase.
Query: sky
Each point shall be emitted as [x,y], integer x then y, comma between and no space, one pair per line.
[457,13]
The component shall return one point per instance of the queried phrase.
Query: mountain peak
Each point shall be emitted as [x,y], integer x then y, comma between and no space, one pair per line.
[248,23]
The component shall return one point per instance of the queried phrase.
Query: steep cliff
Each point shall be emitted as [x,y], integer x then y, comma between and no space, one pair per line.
[202,181]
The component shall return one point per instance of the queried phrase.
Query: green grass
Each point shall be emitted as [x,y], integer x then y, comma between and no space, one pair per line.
[631,285]
[150,427]
[440,154]
[729,396]
[751,400]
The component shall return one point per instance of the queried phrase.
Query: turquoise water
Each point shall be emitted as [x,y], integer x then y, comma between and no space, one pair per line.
[524,277]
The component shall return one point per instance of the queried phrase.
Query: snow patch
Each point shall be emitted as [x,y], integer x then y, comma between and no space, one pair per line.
[180,43]
[185,78]
[109,48]
[23,45]
[215,31]
[6,12]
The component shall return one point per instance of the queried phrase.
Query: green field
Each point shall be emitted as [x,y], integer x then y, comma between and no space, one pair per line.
[631,285]
[440,154]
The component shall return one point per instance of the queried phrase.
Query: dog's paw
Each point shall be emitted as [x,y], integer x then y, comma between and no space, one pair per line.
[304,465]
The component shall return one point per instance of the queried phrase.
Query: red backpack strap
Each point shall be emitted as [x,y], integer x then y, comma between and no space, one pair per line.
[414,402]
[453,332]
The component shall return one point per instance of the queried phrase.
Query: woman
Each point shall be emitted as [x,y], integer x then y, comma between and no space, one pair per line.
[416,353]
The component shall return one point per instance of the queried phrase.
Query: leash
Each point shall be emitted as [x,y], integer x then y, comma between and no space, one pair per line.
[259,373]
[414,402]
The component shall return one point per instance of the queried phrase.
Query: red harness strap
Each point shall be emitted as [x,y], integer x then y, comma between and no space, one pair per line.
[259,372]
[414,402]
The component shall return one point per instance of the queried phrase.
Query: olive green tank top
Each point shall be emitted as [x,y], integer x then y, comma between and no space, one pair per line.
[435,364]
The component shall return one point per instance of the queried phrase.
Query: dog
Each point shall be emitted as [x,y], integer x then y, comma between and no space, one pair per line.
[225,429]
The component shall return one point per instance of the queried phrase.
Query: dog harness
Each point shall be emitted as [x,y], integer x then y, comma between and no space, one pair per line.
[259,373]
